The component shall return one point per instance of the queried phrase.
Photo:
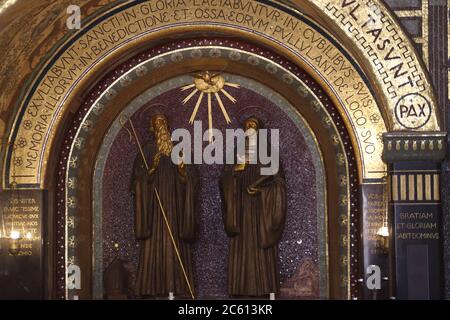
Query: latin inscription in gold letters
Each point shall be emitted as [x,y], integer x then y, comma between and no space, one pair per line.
[42,113]
[21,218]
[407,91]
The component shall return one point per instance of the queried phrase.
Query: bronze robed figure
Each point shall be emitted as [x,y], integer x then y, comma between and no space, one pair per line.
[254,217]
[169,187]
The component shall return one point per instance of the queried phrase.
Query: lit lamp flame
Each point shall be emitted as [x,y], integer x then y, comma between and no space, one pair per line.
[14,243]
[383,232]
[15,235]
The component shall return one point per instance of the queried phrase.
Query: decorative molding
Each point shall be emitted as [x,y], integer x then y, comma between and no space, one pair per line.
[417,187]
[414,146]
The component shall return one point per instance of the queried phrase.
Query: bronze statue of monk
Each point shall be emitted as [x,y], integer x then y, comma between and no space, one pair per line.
[254,217]
[159,271]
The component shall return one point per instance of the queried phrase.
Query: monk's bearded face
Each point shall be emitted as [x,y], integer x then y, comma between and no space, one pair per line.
[162,136]
[251,127]
[251,124]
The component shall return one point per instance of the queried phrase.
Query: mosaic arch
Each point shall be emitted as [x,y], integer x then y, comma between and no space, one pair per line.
[398,79]
[70,211]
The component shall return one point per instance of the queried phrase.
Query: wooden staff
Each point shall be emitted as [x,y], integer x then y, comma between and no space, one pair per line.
[174,244]
[122,122]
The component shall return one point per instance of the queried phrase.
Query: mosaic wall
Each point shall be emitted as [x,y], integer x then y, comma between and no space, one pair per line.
[315,99]
[426,21]
[298,247]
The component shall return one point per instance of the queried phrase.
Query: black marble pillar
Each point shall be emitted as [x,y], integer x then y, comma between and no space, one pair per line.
[21,255]
[415,213]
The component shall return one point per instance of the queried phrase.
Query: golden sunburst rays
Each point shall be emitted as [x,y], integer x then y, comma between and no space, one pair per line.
[211,85]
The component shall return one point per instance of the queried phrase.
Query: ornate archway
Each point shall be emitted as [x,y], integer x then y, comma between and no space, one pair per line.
[106,101]
[355,51]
